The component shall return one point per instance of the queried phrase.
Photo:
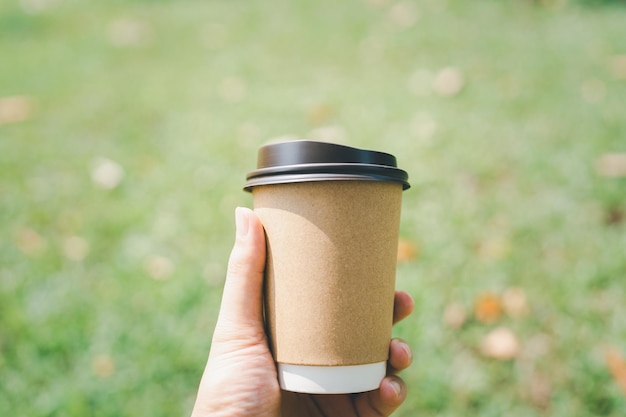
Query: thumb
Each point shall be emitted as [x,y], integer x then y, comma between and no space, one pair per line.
[242,297]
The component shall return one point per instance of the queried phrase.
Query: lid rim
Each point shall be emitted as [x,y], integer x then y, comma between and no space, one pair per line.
[319,177]
[326,168]
[305,160]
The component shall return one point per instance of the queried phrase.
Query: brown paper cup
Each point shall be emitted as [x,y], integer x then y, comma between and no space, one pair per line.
[330,279]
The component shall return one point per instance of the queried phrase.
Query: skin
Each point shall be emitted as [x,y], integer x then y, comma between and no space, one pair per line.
[240,376]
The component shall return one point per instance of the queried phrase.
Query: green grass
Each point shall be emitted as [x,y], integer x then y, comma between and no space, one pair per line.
[202,85]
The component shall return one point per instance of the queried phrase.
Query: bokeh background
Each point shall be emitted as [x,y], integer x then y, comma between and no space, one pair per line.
[127,128]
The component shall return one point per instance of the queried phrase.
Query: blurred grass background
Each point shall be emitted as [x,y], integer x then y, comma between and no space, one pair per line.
[127,127]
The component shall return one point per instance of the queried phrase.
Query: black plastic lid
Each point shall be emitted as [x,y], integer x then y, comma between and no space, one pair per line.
[305,160]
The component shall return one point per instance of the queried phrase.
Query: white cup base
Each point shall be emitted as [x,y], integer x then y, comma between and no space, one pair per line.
[331,379]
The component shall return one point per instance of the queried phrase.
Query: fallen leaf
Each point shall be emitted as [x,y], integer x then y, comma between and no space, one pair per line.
[514,302]
[618,67]
[30,242]
[407,250]
[107,173]
[75,248]
[448,82]
[103,366]
[319,114]
[404,14]
[540,390]
[611,165]
[127,32]
[488,308]
[614,216]
[14,109]
[158,267]
[617,366]
[454,315]
[501,344]
[494,248]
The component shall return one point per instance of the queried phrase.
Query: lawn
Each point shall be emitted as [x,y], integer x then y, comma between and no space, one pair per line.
[127,128]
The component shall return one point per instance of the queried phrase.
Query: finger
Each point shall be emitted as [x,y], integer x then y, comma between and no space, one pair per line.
[402,306]
[400,356]
[383,401]
[242,298]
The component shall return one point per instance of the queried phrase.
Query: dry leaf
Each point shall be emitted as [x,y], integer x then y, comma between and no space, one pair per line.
[488,308]
[617,365]
[319,114]
[75,248]
[454,315]
[618,67]
[448,82]
[106,173]
[126,32]
[612,165]
[494,248]
[514,302]
[15,109]
[30,242]
[407,250]
[103,366]
[501,344]
[404,14]
[158,267]
[614,216]
[540,390]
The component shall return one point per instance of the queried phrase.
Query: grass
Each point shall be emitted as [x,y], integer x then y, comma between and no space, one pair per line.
[108,297]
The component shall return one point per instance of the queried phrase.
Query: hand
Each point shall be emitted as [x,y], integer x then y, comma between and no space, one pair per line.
[240,376]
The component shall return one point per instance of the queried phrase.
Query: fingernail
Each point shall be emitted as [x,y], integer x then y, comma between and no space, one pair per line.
[242,222]
[408,351]
[395,385]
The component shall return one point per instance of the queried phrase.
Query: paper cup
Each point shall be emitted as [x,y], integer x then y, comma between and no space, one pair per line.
[331,216]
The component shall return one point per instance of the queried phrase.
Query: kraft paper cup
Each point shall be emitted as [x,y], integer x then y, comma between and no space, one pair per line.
[331,215]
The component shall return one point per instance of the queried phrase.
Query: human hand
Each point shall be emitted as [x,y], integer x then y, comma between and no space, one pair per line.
[240,377]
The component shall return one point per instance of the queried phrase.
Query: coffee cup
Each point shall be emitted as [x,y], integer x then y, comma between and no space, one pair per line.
[331,215]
